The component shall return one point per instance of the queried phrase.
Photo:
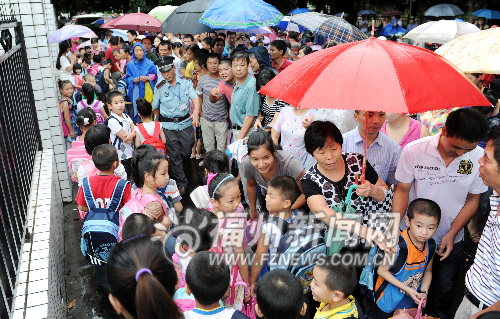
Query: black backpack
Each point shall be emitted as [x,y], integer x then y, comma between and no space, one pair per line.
[101,225]
[102,86]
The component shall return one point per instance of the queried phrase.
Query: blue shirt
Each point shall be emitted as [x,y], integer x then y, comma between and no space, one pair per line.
[383,154]
[244,101]
[410,27]
[168,100]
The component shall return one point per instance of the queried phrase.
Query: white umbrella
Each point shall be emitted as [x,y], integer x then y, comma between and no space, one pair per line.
[119,33]
[440,31]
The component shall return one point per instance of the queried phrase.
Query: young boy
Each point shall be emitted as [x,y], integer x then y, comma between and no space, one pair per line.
[85,64]
[136,225]
[107,65]
[332,286]
[279,295]
[207,278]
[105,158]
[225,87]
[282,192]
[405,276]
[122,129]
[144,109]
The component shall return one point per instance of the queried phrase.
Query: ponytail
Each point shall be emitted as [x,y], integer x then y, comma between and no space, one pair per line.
[152,299]
[63,47]
[86,117]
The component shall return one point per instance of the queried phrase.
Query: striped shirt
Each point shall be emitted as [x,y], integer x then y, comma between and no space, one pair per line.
[383,154]
[483,278]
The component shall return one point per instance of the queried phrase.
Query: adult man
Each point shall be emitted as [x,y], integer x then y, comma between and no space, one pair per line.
[165,49]
[171,105]
[363,24]
[277,51]
[444,168]
[214,121]
[382,151]
[131,35]
[147,45]
[206,43]
[230,44]
[411,24]
[108,54]
[217,46]
[187,40]
[482,285]
[212,35]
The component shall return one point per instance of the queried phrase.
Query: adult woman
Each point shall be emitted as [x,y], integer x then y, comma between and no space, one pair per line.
[263,163]
[403,129]
[140,71]
[126,57]
[289,126]
[270,107]
[481,23]
[65,64]
[190,52]
[326,183]
[95,48]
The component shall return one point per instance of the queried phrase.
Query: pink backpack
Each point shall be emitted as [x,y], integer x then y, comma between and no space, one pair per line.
[136,205]
[76,156]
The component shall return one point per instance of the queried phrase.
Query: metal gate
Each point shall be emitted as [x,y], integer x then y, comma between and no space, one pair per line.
[19,141]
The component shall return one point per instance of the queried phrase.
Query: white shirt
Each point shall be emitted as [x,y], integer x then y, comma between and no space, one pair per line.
[363,22]
[63,73]
[124,149]
[266,40]
[422,165]
[150,128]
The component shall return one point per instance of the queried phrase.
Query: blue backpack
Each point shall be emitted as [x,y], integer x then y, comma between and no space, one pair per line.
[102,86]
[100,226]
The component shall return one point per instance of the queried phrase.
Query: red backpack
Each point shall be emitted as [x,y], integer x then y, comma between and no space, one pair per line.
[153,139]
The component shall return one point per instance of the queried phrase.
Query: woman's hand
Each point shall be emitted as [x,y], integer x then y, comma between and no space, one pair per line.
[257,124]
[72,134]
[144,78]
[306,121]
[366,189]
[136,80]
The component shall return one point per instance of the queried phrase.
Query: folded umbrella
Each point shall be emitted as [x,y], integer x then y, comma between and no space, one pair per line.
[443,10]
[487,13]
[309,20]
[185,18]
[440,31]
[340,30]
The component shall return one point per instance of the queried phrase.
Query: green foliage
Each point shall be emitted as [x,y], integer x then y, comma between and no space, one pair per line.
[135,4]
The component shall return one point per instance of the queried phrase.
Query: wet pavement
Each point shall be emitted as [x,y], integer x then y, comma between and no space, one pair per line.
[92,302]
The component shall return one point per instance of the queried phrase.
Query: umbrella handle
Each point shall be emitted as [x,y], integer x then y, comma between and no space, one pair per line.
[349,193]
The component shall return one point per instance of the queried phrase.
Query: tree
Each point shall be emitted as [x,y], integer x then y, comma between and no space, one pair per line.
[136,4]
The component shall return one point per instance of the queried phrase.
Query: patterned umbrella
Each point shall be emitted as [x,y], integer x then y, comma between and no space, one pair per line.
[310,20]
[443,10]
[240,14]
[298,11]
[475,52]
[392,13]
[340,30]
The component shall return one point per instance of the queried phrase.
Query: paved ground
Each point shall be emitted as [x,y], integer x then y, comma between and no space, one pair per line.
[92,302]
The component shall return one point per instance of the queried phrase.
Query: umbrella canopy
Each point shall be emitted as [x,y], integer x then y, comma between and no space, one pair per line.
[340,14]
[392,13]
[366,12]
[487,13]
[340,30]
[298,11]
[395,77]
[70,31]
[474,53]
[106,24]
[283,25]
[103,20]
[88,44]
[134,21]
[185,18]
[440,31]
[162,12]
[443,10]
[240,14]
[261,30]
[119,33]
[310,20]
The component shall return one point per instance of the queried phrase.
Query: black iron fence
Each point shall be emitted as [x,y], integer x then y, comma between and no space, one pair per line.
[19,141]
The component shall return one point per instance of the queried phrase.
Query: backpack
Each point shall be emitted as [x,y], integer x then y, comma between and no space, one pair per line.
[76,156]
[136,205]
[117,142]
[101,81]
[121,86]
[153,139]
[100,225]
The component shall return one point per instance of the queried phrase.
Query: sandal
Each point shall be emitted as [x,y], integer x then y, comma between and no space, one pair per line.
[475,237]
[193,156]
[198,157]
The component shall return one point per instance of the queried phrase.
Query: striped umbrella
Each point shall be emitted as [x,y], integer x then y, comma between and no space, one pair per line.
[340,30]
[309,20]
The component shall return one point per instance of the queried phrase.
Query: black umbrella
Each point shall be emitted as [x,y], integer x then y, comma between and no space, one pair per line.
[185,18]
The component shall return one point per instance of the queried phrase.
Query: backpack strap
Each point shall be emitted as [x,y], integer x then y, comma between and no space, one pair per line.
[143,131]
[87,192]
[157,129]
[117,195]
[400,261]
[116,137]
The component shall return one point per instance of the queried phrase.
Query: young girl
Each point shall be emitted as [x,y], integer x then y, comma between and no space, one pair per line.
[141,280]
[225,196]
[91,102]
[77,75]
[85,120]
[65,105]
[149,172]
[215,162]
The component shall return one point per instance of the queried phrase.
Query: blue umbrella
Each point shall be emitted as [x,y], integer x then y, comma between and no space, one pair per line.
[298,11]
[366,12]
[340,14]
[487,13]
[240,14]
[283,25]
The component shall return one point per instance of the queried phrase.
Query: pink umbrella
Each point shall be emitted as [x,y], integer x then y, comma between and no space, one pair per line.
[87,44]
[134,21]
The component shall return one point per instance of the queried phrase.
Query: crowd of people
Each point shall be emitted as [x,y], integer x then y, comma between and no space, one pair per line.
[279,181]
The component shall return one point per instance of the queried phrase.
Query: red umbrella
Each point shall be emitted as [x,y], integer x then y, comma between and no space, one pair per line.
[375,75]
[134,21]
[392,13]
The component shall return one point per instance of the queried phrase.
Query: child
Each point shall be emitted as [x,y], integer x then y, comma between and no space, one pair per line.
[282,192]
[403,282]
[105,159]
[141,281]
[85,120]
[77,75]
[106,67]
[279,295]
[95,136]
[94,67]
[97,61]
[122,128]
[208,278]
[65,106]
[85,64]
[144,109]
[215,162]
[332,286]
[91,102]
[136,225]
[117,56]
[225,197]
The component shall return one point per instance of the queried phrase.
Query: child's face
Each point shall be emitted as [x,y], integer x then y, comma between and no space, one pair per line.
[84,65]
[117,105]
[78,71]
[161,175]
[274,201]
[91,80]
[67,90]
[230,199]
[108,66]
[226,72]
[320,291]
[422,227]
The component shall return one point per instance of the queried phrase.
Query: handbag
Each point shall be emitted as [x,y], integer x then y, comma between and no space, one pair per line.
[412,313]
[148,93]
